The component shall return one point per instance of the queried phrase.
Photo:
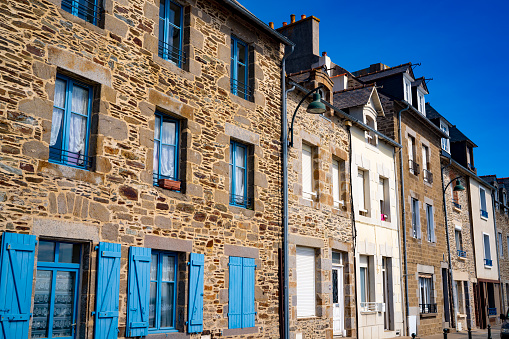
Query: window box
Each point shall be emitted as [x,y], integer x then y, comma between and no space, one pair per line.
[428,176]
[169,184]
[462,254]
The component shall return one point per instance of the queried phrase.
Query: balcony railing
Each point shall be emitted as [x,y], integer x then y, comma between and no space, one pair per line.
[428,176]
[492,311]
[462,254]
[484,214]
[471,167]
[455,204]
[172,53]
[241,201]
[241,89]
[70,158]
[88,10]
[488,262]
[428,308]
[369,306]
[414,167]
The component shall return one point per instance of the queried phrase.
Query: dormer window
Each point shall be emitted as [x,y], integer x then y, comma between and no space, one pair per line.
[407,83]
[371,137]
[446,145]
[470,159]
[421,104]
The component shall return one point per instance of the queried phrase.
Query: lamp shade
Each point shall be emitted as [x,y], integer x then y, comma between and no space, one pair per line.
[316,106]
[458,187]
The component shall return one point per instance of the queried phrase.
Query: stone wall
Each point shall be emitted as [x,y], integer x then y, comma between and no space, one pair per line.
[502,220]
[116,201]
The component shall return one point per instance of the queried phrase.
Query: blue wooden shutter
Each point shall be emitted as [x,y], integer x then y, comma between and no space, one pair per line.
[235,293]
[16,276]
[195,316]
[248,293]
[107,295]
[139,291]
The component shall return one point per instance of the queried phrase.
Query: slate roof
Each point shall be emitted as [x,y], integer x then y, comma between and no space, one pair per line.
[352,97]
[432,113]
[384,73]
[456,135]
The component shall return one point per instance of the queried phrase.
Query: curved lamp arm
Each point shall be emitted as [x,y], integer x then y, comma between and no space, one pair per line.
[445,188]
[296,109]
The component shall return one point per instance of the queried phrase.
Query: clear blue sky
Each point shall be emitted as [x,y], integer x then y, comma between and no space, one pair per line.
[462,45]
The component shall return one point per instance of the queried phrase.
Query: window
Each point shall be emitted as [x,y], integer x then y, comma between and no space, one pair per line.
[170,32]
[306,300]
[459,242]
[484,211]
[238,175]
[416,219]
[336,187]
[338,294]
[307,172]
[408,90]
[240,69]
[241,295]
[56,289]
[428,176]
[166,150]
[470,158]
[426,300]
[508,249]
[383,193]
[387,292]
[371,137]
[88,10]
[363,198]
[163,286]
[413,165]
[460,301]
[70,124]
[421,103]
[487,250]
[430,223]
[364,278]
[500,245]
[445,141]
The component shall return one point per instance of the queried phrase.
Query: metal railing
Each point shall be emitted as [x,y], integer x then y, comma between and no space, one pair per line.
[462,254]
[488,262]
[492,311]
[368,306]
[70,158]
[241,89]
[414,167]
[88,10]
[455,204]
[484,214]
[428,308]
[428,176]
[172,53]
[241,201]
[471,167]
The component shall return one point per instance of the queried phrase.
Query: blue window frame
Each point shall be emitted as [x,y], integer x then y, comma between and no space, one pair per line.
[239,69]
[170,32]
[238,175]
[163,292]
[88,10]
[70,125]
[166,148]
[56,290]
[241,299]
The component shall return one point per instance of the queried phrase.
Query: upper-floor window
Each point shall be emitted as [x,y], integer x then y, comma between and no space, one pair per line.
[446,146]
[484,210]
[239,175]
[459,240]
[363,190]
[241,292]
[307,172]
[487,250]
[371,137]
[336,186]
[240,69]
[500,245]
[427,175]
[170,32]
[163,291]
[470,158]
[306,275]
[383,194]
[88,10]
[508,252]
[421,103]
[408,90]
[416,219]
[166,152]
[366,282]
[70,124]
[426,296]
[412,156]
[430,223]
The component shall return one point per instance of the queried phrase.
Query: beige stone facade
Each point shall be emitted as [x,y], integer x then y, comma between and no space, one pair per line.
[115,200]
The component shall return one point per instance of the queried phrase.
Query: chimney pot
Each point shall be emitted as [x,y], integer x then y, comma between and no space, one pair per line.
[324,53]
[292,18]
[271,25]
[284,23]
[303,16]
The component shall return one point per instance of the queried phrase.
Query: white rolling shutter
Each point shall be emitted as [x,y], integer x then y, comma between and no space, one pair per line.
[335,181]
[306,300]
[307,169]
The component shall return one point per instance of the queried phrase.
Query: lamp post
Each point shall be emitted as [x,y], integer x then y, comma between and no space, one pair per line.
[457,188]
[315,107]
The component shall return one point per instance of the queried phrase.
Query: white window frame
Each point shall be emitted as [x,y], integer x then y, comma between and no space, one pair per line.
[446,142]
[416,216]
[430,222]
[364,265]
[428,294]
[407,88]
[500,245]
[383,197]
[307,178]
[306,295]
[482,194]
[363,190]
[336,184]
[421,103]
[484,235]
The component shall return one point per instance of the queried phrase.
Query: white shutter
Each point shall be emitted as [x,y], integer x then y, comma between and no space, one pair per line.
[424,158]
[381,190]
[410,148]
[306,282]
[307,169]
[360,189]
[418,218]
[335,180]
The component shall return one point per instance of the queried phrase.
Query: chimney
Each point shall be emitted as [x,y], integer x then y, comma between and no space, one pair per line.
[284,24]
[324,53]
[292,18]
[303,16]
[377,67]
[271,25]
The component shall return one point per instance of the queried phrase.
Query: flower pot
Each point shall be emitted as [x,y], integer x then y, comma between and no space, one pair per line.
[169,184]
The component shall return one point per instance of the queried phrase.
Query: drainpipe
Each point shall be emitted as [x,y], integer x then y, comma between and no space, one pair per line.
[284,167]
[496,242]
[403,216]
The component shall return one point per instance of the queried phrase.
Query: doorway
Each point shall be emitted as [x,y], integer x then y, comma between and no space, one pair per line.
[338,299]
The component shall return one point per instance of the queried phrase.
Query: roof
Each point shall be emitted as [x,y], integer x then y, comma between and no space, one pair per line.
[352,97]
[456,135]
[421,82]
[432,113]
[386,72]
[242,10]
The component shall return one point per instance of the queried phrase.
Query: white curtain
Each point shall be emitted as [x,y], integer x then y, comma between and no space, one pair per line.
[240,156]
[78,125]
[168,135]
[58,112]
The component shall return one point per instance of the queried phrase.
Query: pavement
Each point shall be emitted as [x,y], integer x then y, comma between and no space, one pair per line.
[476,334]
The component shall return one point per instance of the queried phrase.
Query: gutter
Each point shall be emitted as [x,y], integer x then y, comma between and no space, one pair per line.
[500,292]
[421,116]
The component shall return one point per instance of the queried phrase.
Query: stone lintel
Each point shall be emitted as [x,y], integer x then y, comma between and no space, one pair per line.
[241,251]
[66,229]
[168,244]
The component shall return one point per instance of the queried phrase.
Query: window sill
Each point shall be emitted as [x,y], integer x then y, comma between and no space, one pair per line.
[428,315]
[462,258]
[456,209]
[168,335]
[311,317]
[172,67]
[484,218]
[74,173]
[489,267]
[368,312]
[73,18]
[241,101]
[239,331]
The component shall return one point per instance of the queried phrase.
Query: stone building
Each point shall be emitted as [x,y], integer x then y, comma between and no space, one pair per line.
[423,238]
[140,169]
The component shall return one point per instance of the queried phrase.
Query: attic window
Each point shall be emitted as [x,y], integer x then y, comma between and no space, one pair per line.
[445,141]
[371,137]
[408,89]
[421,103]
